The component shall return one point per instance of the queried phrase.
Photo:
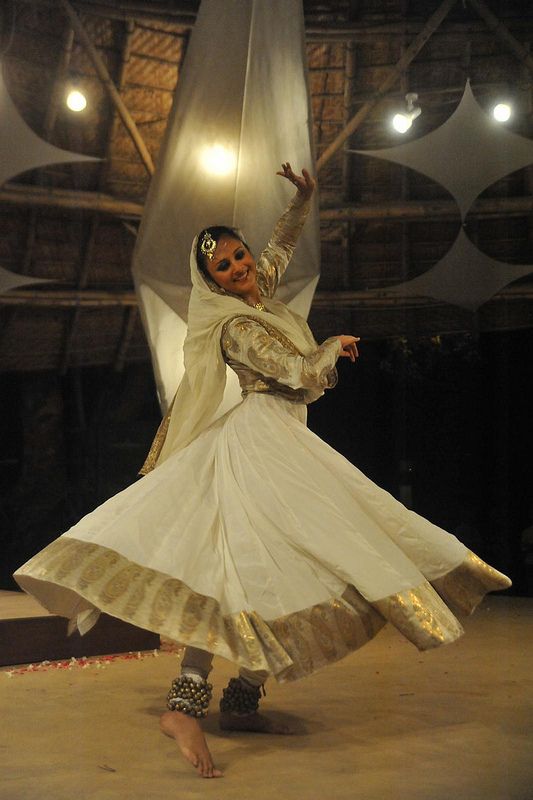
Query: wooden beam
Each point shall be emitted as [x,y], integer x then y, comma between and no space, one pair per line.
[455,91]
[503,33]
[30,196]
[22,195]
[378,298]
[48,197]
[409,54]
[407,210]
[109,86]
[125,53]
[182,16]
[69,298]
[148,13]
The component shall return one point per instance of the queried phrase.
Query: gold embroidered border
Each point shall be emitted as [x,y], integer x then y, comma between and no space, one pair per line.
[421,616]
[289,647]
[466,585]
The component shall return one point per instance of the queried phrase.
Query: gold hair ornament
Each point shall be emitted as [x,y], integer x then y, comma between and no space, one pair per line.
[208,245]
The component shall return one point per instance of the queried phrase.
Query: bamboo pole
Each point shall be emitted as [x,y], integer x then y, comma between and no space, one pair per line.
[109,86]
[410,53]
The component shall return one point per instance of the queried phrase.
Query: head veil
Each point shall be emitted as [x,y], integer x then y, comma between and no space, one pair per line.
[201,390]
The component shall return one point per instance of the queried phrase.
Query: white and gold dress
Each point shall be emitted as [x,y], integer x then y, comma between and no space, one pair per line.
[257,541]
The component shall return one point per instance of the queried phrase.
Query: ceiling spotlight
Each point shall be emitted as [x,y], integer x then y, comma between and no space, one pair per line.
[403,120]
[501,112]
[76,100]
[218,160]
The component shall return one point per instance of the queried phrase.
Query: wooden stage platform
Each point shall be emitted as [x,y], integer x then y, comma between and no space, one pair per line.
[28,633]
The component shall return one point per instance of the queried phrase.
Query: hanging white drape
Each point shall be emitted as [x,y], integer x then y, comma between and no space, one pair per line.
[242,88]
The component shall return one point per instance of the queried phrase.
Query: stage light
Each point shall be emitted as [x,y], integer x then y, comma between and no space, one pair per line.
[76,100]
[501,112]
[403,120]
[218,160]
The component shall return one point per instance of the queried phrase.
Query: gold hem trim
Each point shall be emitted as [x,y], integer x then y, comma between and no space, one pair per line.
[464,587]
[421,616]
[290,647]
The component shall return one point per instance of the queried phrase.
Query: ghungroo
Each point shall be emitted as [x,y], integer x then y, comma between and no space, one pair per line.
[240,697]
[190,696]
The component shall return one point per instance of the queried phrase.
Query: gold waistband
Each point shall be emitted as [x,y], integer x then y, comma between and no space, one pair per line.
[275,389]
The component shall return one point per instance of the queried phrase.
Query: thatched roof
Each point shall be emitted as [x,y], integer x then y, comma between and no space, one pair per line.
[381,223]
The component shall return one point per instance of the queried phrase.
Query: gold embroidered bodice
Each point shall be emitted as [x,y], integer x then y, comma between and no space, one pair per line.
[266,361]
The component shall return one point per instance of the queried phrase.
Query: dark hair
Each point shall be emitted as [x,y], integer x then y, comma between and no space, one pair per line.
[216,232]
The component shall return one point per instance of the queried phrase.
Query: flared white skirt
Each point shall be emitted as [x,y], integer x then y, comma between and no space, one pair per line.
[260,543]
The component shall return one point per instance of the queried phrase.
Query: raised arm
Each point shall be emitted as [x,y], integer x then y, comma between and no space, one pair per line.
[273,261]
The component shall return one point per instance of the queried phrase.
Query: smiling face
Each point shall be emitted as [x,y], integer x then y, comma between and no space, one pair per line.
[232,266]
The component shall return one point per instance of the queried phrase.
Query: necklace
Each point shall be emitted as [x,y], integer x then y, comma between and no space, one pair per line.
[259,306]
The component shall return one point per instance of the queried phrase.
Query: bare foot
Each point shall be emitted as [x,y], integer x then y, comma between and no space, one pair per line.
[257,723]
[191,741]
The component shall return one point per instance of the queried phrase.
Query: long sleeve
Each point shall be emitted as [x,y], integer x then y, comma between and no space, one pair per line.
[247,342]
[273,261]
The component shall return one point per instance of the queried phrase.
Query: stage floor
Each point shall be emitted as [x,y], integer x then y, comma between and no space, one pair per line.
[387,723]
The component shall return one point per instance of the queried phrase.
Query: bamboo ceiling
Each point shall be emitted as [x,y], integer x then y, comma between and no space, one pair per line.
[381,223]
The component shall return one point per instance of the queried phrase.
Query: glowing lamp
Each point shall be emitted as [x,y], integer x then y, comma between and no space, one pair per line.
[218,160]
[501,112]
[76,100]
[401,122]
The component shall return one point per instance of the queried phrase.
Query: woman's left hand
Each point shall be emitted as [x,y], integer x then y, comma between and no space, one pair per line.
[305,183]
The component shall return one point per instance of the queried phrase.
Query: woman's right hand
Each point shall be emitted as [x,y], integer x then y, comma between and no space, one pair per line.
[305,183]
[349,346]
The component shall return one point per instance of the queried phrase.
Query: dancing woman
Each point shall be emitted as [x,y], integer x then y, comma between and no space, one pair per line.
[249,537]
